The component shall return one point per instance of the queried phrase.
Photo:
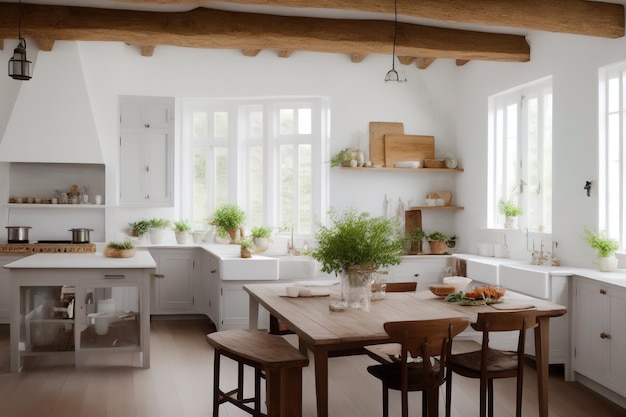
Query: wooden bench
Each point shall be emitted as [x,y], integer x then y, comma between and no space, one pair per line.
[273,358]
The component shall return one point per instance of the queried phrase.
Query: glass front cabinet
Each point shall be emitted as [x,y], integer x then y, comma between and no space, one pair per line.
[81,312]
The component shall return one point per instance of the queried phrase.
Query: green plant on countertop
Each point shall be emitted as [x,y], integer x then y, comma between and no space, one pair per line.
[228,216]
[603,244]
[509,208]
[354,239]
[246,243]
[340,157]
[437,237]
[415,240]
[182,226]
[159,223]
[261,232]
[451,242]
[139,228]
[123,245]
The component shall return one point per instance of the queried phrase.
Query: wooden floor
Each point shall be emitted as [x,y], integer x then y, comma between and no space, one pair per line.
[179,384]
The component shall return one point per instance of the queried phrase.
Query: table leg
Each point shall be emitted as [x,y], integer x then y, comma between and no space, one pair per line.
[542,351]
[320,356]
[253,306]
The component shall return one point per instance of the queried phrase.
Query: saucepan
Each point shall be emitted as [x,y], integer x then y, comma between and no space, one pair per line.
[17,234]
[80,235]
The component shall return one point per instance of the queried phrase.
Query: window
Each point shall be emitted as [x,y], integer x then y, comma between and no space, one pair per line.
[264,155]
[520,155]
[611,180]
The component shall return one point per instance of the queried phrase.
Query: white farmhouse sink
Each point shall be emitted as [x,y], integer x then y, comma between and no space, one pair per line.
[297,268]
[257,268]
[528,279]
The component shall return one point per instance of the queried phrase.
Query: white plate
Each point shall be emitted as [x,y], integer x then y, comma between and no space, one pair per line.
[407,164]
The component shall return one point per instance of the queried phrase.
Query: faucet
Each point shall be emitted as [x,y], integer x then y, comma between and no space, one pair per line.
[553,259]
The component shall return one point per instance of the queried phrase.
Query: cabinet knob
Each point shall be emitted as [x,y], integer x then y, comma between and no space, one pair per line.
[213,271]
[157,275]
[605,335]
[147,125]
[416,275]
[603,291]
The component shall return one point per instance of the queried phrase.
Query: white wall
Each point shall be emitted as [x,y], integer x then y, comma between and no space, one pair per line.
[357,93]
[573,61]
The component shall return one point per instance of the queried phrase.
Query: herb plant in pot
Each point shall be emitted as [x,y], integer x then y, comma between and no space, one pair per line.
[510,211]
[124,249]
[247,245]
[261,237]
[356,245]
[415,239]
[158,228]
[230,217]
[139,229]
[605,247]
[181,230]
[438,243]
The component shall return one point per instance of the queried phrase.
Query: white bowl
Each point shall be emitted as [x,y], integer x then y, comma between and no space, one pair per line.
[460,283]
[431,202]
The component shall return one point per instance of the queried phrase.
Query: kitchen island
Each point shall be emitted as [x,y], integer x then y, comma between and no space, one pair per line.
[80,304]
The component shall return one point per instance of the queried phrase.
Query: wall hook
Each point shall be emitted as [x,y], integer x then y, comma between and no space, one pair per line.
[588,188]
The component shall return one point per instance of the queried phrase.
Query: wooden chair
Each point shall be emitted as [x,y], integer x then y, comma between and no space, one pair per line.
[425,347]
[385,353]
[272,358]
[489,364]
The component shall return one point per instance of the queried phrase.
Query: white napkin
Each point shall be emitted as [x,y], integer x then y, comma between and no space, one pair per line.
[296,291]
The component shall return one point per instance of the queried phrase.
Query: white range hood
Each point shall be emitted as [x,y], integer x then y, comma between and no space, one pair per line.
[52,119]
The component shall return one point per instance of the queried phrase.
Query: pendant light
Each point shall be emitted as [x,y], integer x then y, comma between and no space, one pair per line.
[392,74]
[19,65]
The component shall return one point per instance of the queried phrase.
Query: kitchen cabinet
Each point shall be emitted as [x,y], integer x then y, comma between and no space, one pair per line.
[423,269]
[174,284]
[146,151]
[600,333]
[5,286]
[80,305]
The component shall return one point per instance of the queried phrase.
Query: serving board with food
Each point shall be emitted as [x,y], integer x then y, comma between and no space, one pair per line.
[486,294]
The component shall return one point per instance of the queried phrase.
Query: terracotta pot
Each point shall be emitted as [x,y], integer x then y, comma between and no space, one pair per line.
[245,253]
[438,247]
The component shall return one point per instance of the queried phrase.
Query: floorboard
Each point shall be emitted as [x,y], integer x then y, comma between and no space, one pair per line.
[179,384]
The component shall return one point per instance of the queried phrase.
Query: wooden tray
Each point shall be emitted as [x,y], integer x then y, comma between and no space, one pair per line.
[408,148]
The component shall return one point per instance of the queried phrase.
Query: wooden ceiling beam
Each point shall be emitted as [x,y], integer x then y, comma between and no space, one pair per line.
[423,63]
[45,44]
[356,58]
[580,17]
[207,28]
[285,53]
[250,52]
[147,50]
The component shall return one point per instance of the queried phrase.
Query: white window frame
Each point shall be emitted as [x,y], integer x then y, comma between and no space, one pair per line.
[237,148]
[512,182]
[611,151]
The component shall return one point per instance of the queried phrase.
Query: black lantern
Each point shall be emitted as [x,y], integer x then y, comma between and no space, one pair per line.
[392,74]
[19,65]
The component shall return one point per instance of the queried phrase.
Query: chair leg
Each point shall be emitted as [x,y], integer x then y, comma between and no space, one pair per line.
[490,397]
[216,384]
[433,402]
[520,385]
[483,397]
[425,403]
[240,381]
[257,389]
[385,401]
[448,392]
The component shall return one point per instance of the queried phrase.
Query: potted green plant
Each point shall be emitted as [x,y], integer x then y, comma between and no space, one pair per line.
[605,247]
[438,243]
[157,229]
[139,228]
[181,230]
[415,239]
[229,217]
[261,237]
[247,245]
[510,211]
[341,158]
[451,242]
[123,249]
[356,245]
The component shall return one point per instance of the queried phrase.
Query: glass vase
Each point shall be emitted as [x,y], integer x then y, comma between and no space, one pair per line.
[356,287]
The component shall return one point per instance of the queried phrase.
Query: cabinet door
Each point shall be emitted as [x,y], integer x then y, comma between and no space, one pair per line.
[234,307]
[591,304]
[158,172]
[5,287]
[616,367]
[175,284]
[132,167]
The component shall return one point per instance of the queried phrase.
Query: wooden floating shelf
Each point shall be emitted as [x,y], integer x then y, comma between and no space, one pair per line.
[437,208]
[386,169]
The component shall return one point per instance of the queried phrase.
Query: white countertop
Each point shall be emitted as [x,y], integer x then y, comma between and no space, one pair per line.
[142,259]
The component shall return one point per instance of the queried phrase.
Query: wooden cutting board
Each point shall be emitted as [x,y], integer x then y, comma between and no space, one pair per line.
[378,130]
[408,148]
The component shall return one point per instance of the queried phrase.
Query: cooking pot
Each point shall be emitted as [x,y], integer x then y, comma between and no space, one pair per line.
[17,234]
[80,235]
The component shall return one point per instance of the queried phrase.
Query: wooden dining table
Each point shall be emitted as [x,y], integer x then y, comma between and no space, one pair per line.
[329,333]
